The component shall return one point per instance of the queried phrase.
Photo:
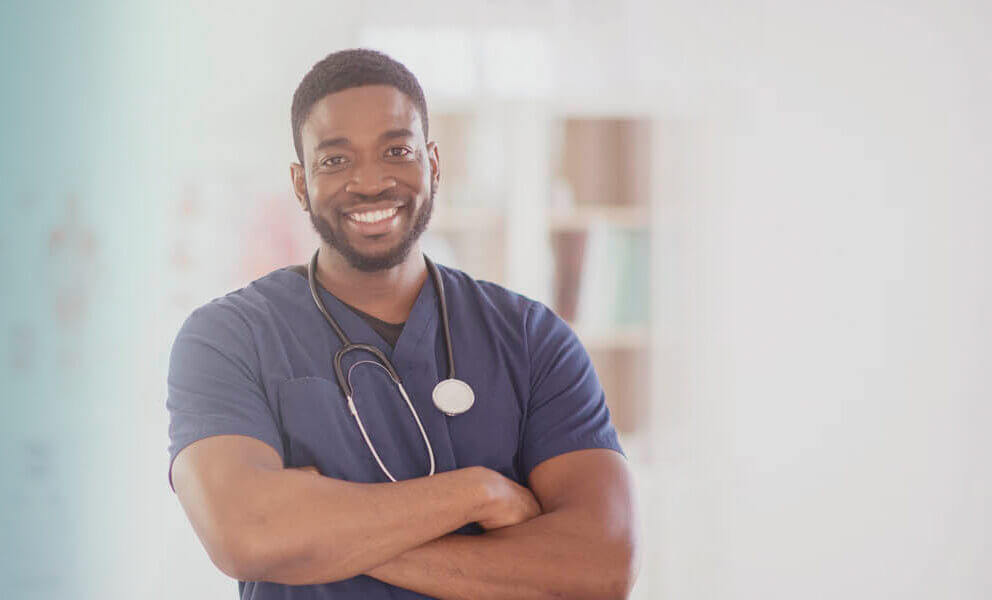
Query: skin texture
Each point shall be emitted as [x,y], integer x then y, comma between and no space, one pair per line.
[570,535]
[261,522]
[582,546]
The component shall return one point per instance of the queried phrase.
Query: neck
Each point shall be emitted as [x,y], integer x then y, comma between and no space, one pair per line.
[388,294]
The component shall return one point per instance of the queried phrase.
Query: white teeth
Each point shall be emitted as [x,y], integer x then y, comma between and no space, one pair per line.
[373,216]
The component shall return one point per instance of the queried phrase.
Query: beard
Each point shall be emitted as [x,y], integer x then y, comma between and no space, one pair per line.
[336,239]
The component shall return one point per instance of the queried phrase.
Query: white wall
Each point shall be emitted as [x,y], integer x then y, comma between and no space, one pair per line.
[826,309]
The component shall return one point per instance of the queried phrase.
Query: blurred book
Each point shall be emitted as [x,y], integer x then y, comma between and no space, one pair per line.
[606,161]
[568,247]
[633,290]
[613,280]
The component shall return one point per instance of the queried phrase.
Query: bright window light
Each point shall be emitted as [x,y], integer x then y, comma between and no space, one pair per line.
[517,63]
[441,58]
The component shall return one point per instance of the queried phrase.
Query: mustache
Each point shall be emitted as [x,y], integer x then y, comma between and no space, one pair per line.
[359,199]
[390,195]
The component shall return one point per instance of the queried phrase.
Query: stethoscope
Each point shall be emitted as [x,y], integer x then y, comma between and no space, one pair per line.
[451,396]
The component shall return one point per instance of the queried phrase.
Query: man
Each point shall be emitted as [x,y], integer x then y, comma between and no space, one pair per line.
[531,497]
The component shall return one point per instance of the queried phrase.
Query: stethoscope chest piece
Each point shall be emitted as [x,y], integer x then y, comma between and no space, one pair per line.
[453,396]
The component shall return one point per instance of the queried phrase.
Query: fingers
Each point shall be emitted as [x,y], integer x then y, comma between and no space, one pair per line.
[308,469]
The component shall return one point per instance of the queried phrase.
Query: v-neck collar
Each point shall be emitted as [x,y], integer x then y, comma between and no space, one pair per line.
[420,324]
[422,320]
[415,356]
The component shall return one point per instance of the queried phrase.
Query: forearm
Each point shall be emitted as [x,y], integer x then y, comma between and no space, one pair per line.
[303,529]
[568,553]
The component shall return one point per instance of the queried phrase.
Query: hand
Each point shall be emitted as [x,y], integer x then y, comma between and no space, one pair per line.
[308,469]
[510,503]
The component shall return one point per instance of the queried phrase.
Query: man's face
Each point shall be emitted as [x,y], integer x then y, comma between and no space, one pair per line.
[369,177]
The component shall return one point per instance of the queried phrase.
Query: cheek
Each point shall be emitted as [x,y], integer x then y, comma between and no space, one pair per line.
[423,177]
[411,180]
[324,192]
[418,172]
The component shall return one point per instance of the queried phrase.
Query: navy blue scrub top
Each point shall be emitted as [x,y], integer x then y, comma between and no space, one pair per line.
[257,362]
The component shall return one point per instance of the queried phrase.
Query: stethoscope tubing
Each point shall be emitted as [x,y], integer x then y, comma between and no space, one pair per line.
[347,346]
[344,382]
[365,435]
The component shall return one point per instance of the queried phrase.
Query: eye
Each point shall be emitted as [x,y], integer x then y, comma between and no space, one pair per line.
[398,152]
[333,161]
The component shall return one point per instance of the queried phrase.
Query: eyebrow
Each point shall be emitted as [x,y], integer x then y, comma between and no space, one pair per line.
[343,141]
[396,133]
[338,141]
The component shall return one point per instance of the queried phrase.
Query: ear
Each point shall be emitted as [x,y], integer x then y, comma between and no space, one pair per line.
[299,178]
[433,158]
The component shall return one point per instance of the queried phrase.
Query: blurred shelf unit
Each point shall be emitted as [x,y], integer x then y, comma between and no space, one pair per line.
[600,232]
[574,189]
[460,219]
[617,338]
[582,218]
[469,221]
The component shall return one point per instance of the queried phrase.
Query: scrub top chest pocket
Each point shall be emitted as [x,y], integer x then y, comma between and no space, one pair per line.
[319,430]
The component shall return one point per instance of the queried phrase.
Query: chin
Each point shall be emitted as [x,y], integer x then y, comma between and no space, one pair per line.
[378,261]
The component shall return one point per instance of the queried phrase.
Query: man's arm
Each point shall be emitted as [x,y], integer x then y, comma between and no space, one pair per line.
[583,546]
[261,522]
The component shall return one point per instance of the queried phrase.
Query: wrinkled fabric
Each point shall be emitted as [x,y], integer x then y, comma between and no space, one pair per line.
[258,362]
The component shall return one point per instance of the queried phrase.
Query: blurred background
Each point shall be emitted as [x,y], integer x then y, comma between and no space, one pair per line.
[766,221]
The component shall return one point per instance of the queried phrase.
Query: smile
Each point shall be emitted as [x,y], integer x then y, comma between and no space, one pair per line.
[373,216]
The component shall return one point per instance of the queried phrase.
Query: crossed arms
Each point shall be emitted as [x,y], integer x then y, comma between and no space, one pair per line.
[572,534]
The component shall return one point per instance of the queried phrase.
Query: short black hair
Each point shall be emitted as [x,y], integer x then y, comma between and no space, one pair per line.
[347,69]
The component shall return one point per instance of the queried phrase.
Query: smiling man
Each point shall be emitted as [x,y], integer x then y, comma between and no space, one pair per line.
[306,481]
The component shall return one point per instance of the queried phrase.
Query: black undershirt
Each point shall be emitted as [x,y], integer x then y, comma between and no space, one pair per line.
[389,331]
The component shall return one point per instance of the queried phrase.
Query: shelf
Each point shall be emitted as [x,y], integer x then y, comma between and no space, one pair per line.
[572,191]
[605,162]
[454,220]
[466,220]
[634,337]
[631,217]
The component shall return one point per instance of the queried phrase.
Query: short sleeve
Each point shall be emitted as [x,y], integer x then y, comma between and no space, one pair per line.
[567,409]
[213,383]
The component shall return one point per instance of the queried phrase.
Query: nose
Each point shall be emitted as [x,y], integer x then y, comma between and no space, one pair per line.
[369,180]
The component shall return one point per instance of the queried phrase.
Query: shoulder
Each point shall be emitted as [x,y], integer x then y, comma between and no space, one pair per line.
[493,296]
[241,312]
[503,307]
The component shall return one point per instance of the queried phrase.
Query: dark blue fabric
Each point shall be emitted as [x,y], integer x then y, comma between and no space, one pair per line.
[257,362]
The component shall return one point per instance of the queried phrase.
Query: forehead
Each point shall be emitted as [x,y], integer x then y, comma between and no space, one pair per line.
[360,114]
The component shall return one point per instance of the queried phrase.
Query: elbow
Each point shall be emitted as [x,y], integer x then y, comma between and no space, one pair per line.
[234,568]
[238,558]
[618,578]
[630,567]
[255,559]
[247,557]
[606,575]
[625,578]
